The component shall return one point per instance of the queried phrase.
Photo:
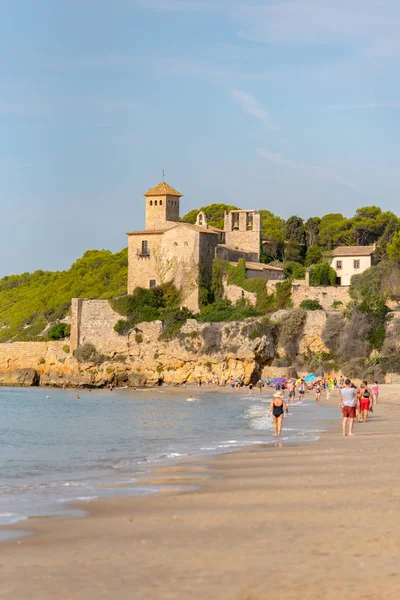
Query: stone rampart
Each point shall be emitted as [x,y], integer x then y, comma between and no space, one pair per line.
[92,321]
[235,293]
[326,295]
[34,355]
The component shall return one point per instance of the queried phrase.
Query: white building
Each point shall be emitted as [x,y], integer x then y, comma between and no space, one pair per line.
[351,260]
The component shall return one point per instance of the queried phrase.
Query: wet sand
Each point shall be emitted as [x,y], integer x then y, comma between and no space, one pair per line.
[310,521]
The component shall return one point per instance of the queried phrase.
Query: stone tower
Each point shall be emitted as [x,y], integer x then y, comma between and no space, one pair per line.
[243,230]
[162,206]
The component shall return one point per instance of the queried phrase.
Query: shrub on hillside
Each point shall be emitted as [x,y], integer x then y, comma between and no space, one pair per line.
[59,331]
[260,328]
[311,305]
[294,270]
[87,353]
[30,301]
[290,331]
[322,274]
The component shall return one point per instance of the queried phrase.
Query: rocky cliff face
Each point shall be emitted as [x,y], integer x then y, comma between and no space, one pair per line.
[204,351]
[201,350]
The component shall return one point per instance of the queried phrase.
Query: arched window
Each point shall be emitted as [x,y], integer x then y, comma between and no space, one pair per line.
[160,202]
[151,202]
[155,202]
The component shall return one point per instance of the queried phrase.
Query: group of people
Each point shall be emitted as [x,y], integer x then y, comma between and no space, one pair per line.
[355,402]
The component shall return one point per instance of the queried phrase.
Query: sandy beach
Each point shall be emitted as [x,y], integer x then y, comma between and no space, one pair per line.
[313,520]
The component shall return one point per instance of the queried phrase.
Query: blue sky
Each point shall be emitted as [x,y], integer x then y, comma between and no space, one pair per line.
[292,106]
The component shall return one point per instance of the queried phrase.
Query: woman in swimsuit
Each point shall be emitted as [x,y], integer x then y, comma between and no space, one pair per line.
[375,391]
[365,402]
[277,406]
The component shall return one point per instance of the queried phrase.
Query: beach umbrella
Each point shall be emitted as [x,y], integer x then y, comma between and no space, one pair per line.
[310,378]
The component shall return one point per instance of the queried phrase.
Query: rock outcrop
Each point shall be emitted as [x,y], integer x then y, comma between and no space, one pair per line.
[20,378]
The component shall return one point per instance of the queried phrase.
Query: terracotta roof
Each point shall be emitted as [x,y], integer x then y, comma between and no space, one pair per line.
[158,231]
[199,228]
[215,229]
[163,189]
[255,266]
[241,210]
[151,231]
[353,251]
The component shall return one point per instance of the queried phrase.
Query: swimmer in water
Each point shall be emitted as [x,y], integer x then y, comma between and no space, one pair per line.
[191,399]
[77,397]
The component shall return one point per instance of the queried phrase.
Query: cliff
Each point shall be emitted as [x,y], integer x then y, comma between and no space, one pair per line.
[201,350]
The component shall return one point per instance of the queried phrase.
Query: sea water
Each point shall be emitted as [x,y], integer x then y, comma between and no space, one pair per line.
[56,449]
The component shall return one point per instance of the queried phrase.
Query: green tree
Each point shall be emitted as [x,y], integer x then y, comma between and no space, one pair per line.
[393,247]
[294,230]
[294,270]
[30,301]
[333,231]
[294,252]
[322,274]
[214,214]
[313,255]
[368,224]
[311,227]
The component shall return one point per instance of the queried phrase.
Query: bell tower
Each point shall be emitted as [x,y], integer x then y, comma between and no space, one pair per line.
[162,206]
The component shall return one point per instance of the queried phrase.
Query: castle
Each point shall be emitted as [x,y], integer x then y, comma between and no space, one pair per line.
[170,250]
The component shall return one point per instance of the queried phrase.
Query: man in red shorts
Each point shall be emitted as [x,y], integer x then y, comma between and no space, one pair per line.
[348,404]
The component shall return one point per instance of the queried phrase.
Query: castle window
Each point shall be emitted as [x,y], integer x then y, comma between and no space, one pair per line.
[235,221]
[151,202]
[249,221]
[160,202]
[145,248]
[155,202]
[152,283]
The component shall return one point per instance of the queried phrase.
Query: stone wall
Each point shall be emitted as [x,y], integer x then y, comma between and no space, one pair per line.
[235,293]
[93,321]
[326,295]
[24,355]
[232,254]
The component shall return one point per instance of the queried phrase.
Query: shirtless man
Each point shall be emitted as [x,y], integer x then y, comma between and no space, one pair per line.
[292,391]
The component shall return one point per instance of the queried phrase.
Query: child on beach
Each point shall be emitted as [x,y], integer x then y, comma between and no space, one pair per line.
[277,406]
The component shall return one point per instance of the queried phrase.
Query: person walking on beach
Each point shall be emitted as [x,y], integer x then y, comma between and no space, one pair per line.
[277,407]
[348,404]
[291,391]
[365,398]
[302,390]
[317,392]
[375,391]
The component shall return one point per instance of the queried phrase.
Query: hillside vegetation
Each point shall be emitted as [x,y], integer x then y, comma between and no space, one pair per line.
[31,301]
